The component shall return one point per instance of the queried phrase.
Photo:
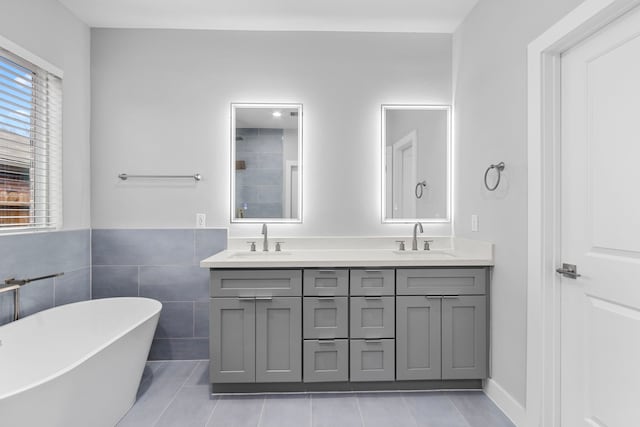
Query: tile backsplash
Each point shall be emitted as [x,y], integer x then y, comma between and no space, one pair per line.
[38,254]
[162,264]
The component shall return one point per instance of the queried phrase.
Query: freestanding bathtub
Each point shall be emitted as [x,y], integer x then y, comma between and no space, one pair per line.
[75,365]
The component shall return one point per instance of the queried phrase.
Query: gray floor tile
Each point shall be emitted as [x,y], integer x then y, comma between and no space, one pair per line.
[237,411]
[384,410]
[200,375]
[434,409]
[163,384]
[192,406]
[335,410]
[286,411]
[479,410]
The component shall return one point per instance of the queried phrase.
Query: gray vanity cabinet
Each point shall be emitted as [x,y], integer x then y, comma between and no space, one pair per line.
[418,328]
[442,326]
[256,326]
[464,337]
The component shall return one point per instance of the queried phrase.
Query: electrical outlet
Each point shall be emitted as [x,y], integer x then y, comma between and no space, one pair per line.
[474,223]
[201,220]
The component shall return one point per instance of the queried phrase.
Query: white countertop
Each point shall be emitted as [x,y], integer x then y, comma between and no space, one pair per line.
[352,252]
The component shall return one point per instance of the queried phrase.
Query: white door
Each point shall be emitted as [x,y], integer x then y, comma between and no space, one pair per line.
[600,310]
[404,176]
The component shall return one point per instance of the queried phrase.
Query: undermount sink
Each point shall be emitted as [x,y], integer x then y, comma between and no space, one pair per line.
[423,253]
[250,254]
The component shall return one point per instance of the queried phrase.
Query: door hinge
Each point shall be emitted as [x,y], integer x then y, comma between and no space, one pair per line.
[569,270]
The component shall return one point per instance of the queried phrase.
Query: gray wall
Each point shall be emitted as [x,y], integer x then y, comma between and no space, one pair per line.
[161,104]
[164,265]
[490,87]
[38,254]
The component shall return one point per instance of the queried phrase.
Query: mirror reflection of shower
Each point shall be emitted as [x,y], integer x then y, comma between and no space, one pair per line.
[266,149]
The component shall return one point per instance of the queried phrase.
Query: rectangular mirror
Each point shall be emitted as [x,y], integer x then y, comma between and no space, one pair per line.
[266,163]
[416,157]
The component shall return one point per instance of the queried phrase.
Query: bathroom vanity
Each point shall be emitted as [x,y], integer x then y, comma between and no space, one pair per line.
[349,315]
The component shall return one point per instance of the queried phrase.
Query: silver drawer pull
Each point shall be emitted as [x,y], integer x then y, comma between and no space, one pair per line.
[327,271]
[326,298]
[246,299]
[372,298]
[373,271]
[432,297]
[326,341]
[373,341]
[264,298]
[450,297]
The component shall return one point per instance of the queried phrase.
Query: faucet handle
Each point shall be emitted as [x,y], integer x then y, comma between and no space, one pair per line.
[253,246]
[427,247]
[401,246]
[278,247]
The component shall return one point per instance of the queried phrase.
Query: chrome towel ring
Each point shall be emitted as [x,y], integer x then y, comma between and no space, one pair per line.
[499,167]
[420,189]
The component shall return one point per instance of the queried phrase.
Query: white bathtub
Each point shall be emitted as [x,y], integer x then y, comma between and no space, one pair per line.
[75,365]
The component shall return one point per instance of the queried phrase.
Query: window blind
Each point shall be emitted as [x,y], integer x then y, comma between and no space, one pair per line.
[30,145]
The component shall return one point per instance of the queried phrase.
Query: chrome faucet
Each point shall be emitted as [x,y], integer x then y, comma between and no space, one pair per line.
[414,242]
[265,241]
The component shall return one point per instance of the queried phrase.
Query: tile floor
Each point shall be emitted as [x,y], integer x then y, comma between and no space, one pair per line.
[176,393]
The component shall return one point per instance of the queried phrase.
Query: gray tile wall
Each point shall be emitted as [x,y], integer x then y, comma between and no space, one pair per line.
[38,254]
[162,264]
[260,185]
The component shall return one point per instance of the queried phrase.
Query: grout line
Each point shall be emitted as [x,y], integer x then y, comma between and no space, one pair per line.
[157,420]
[466,420]
[215,406]
[408,409]
[310,409]
[264,402]
[359,410]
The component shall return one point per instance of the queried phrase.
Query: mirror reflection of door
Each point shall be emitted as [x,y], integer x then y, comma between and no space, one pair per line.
[416,158]
[404,176]
[266,148]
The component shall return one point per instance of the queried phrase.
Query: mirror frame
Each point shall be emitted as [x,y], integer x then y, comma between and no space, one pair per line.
[232,210]
[383,198]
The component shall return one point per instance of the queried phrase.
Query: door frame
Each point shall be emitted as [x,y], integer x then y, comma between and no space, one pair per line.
[544,123]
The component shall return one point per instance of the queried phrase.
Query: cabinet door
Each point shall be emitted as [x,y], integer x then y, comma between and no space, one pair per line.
[232,345]
[278,339]
[326,360]
[325,317]
[372,360]
[372,317]
[418,338]
[464,337]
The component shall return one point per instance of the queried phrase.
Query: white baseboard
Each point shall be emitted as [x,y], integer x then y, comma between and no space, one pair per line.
[507,404]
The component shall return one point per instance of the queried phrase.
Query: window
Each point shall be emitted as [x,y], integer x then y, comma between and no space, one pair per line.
[30,145]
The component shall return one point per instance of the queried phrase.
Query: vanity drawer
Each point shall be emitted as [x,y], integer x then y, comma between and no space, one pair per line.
[441,281]
[372,360]
[372,317]
[248,283]
[372,282]
[326,282]
[325,360]
[325,317]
